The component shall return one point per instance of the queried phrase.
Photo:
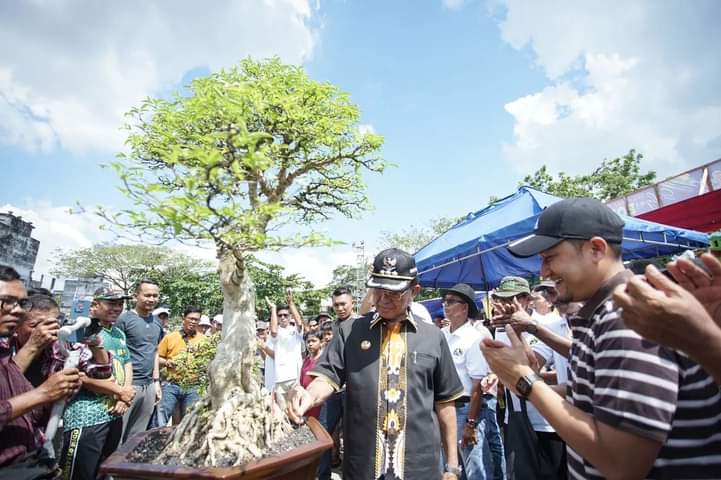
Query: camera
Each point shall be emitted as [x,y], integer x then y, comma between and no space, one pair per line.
[93,329]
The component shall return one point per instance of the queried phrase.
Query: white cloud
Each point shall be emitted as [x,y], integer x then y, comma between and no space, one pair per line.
[57,228]
[314,264]
[642,76]
[454,4]
[70,70]
[366,128]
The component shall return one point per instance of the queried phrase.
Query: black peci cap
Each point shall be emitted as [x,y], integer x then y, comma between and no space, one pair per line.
[393,269]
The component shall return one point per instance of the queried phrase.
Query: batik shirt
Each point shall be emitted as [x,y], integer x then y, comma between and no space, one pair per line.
[88,408]
[393,377]
[21,436]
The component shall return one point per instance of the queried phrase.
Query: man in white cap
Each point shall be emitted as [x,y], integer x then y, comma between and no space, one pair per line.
[217,323]
[204,325]
[163,314]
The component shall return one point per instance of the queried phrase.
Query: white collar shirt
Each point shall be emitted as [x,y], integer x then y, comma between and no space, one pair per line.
[464,344]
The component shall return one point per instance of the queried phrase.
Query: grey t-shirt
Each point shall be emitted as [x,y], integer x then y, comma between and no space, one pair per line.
[143,336]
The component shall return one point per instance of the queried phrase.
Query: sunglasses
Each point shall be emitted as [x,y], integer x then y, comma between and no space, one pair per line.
[452,302]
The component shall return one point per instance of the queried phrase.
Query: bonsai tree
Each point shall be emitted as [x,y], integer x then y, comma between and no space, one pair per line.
[250,158]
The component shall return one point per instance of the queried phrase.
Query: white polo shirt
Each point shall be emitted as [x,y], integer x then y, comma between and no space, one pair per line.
[558,325]
[464,344]
[288,360]
[537,421]
[270,365]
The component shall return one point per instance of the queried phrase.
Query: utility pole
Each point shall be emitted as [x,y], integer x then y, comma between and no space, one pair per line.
[360,278]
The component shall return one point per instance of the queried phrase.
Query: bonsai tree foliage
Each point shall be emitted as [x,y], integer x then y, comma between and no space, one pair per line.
[251,158]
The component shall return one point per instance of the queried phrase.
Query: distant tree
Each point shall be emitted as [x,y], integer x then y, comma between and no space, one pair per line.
[249,159]
[614,178]
[413,238]
[123,265]
[345,275]
[271,281]
[180,289]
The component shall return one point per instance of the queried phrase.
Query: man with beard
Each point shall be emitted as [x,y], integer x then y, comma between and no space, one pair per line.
[143,333]
[633,408]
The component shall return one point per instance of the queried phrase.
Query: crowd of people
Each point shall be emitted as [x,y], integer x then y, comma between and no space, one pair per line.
[593,372]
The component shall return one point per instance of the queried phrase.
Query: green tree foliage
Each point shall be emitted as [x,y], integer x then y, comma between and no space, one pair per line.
[191,366]
[123,265]
[250,150]
[346,275]
[614,178]
[413,238]
[180,289]
[271,281]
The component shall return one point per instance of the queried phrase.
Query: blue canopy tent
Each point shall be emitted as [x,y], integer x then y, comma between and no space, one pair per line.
[474,250]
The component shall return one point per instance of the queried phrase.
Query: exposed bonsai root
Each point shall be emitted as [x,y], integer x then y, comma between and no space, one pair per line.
[240,431]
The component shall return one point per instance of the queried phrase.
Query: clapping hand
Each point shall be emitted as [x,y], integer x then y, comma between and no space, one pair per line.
[512,314]
[271,305]
[289,295]
[705,286]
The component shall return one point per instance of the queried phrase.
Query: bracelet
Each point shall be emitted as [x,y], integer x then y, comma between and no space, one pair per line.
[472,422]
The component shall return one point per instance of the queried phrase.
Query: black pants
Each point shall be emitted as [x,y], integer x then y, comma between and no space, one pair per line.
[85,448]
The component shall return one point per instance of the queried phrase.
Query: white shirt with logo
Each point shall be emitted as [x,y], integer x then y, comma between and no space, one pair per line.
[553,322]
[464,344]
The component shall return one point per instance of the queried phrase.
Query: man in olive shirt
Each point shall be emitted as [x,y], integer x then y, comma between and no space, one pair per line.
[400,383]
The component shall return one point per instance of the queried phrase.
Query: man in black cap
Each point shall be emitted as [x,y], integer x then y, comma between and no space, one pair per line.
[459,306]
[398,372]
[635,409]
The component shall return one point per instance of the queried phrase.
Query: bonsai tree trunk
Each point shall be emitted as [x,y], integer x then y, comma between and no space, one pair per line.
[236,421]
[232,368]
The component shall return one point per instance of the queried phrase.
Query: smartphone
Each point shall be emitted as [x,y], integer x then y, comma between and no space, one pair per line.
[697,261]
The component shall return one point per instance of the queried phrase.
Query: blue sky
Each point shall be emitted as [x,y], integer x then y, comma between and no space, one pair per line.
[470,95]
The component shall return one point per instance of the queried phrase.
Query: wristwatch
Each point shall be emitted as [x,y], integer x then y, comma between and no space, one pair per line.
[525,384]
[532,328]
[454,470]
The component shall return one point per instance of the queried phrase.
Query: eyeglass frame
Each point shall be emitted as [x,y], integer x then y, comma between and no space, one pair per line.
[452,301]
[395,296]
[16,302]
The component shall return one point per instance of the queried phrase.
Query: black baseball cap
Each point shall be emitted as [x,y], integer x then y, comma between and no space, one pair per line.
[393,269]
[570,219]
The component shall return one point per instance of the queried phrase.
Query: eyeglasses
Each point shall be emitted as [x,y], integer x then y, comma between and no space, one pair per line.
[452,302]
[395,296]
[9,303]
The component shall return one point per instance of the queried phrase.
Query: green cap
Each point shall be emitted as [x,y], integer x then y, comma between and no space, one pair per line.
[107,293]
[512,286]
